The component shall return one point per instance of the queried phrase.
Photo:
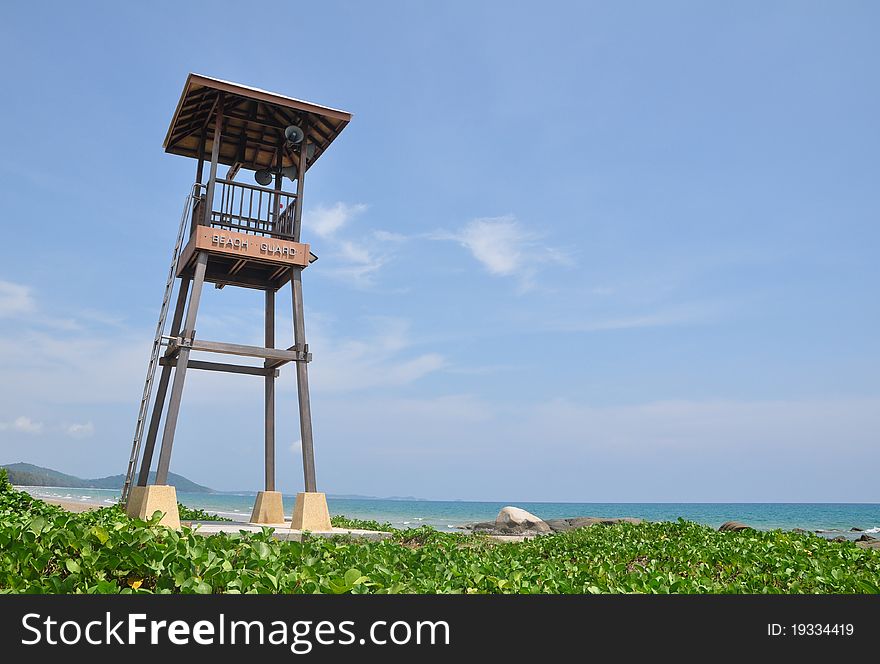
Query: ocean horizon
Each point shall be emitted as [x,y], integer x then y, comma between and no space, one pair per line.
[830,519]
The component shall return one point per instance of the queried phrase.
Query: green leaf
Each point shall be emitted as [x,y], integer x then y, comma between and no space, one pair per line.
[72,566]
[101,533]
[353,577]
[37,525]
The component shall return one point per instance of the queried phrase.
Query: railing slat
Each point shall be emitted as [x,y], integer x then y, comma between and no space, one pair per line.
[260,218]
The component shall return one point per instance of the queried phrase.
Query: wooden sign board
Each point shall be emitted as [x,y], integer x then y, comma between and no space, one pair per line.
[248,247]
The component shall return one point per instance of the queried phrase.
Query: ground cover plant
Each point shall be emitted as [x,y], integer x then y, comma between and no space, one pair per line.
[196,514]
[48,550]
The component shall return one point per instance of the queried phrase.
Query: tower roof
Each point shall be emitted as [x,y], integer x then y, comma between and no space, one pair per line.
[253,123]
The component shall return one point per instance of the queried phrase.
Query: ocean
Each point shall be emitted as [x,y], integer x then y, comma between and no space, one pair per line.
[831,518]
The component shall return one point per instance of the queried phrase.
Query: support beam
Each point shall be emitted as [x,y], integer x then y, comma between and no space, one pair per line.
[269,394]
[162,389]
[221,366]
[302,381]
[180,372]
[274,364]
[239,349]
[233,171]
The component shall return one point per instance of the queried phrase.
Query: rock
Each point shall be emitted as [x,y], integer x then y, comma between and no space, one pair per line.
[866,538]
[798,530]
[855,530]
[733,526]
[873,544]
[839,538]
[564,525]
[483,526]
[583,521]
[513,520]
[559,525]
[624,519]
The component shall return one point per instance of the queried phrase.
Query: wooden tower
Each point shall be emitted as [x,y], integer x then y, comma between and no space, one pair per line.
[235,233]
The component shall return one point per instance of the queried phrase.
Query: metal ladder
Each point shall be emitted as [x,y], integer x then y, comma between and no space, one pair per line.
[157,345]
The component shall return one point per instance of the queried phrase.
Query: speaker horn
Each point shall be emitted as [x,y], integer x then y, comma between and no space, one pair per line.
[263,177]
[290,172]
[294,135]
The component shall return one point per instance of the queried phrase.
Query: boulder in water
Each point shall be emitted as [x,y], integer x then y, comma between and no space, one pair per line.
[514,520]
[733,526]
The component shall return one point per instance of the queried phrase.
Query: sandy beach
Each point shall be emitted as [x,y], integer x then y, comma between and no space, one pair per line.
[69,505]
[73,505]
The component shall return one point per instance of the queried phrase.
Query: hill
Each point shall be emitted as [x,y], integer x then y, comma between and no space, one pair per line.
[27,474]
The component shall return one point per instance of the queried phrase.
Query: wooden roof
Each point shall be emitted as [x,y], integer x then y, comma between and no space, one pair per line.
[253,123]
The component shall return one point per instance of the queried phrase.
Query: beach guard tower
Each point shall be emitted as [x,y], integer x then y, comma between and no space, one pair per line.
[234,233]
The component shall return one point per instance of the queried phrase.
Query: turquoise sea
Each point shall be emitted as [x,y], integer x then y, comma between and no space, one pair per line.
[831,518]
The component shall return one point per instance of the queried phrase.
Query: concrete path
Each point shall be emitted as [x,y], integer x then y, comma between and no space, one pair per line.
[283,531]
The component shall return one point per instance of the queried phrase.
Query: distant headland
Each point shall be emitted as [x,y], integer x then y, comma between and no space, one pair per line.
[27,474]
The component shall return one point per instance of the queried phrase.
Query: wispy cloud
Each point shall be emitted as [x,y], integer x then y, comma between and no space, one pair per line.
[354,258]
[383,358]
[505,248]
[692,313]
[15,299]
[325,221]
[85,430]
[687,451]
[22,424]
[357,263]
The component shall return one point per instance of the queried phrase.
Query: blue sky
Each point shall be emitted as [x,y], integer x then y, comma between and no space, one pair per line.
[575,252]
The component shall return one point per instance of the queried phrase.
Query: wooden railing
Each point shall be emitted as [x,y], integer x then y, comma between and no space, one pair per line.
[251,209]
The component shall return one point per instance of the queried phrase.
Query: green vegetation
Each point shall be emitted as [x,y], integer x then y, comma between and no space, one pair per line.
[196,514]
[340,521]
[45,549]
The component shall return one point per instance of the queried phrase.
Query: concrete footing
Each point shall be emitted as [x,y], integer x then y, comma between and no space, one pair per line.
[311,513]
[145,500]
[268,508]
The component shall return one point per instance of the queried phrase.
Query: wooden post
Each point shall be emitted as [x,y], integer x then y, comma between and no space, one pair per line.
[199,207]
[299,330]
[276,204]
[162,389]
[302,382]
[300,183]
[215,156]
[270,393]
[180,371]
[200,166]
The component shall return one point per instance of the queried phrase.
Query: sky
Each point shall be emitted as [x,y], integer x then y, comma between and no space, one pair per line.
[569,251]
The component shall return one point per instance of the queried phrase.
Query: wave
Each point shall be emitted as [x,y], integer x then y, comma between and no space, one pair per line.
[872,530]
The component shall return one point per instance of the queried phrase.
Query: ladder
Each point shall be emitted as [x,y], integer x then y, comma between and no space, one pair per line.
[157,345]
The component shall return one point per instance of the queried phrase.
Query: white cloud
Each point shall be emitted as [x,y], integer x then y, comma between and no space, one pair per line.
[499,243]
[388,236]
[505,248]
[85,430]
[356,264]
[15,299]
[356,260]
[381,359]
[22,424]
[325,221]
